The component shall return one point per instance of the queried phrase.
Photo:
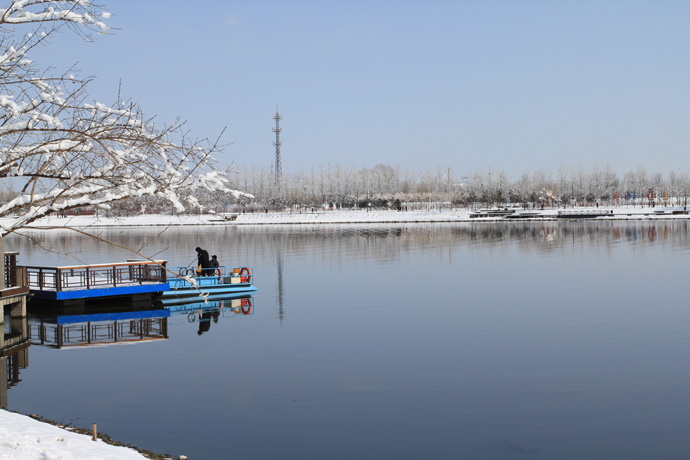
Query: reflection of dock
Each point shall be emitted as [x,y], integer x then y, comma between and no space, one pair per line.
[14,355]
[96,281]
[106,328]
[14,342]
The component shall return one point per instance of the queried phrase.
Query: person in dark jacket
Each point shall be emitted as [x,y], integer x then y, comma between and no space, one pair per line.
[204,263]
[214,261]
[215,265]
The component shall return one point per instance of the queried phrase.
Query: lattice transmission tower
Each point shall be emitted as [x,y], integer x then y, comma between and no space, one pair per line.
[279,169]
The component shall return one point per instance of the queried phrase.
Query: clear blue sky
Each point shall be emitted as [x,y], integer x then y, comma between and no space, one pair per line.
[469,85]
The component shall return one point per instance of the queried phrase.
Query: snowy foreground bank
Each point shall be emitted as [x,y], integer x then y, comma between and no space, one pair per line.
[23,438]
[339,217]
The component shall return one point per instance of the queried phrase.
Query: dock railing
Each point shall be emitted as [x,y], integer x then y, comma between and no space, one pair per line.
[95,276]
[15,276]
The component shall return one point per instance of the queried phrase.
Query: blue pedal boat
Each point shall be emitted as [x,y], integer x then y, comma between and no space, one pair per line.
[188,285]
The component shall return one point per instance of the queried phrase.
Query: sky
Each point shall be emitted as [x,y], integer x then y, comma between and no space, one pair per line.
[473,86]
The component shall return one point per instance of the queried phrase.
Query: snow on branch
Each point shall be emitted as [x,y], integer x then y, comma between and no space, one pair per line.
[70,151]
[79,12]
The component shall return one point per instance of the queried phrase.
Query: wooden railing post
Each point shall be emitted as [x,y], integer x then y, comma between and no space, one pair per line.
[59,335]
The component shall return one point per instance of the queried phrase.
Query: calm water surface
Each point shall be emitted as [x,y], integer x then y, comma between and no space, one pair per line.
[482,341]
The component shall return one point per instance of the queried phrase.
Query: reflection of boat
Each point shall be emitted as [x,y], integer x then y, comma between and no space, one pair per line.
[188,286]
[205,313]
[236,304]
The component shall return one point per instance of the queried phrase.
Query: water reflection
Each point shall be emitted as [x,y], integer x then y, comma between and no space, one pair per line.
[64,325]
[279,267]
[14,355]
[422,340]
[240,245]
[60,330]
[207,313]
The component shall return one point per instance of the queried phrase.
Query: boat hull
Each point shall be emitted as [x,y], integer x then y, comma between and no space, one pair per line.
[202,294]
[207,287]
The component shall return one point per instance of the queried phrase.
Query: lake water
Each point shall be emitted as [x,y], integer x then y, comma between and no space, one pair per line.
[560,341]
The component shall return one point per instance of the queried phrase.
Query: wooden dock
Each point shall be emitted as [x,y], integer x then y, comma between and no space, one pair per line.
[585,214]
[492,213]
[78,282]
[14,290]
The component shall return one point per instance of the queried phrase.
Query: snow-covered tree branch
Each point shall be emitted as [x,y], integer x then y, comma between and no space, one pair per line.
[65,150]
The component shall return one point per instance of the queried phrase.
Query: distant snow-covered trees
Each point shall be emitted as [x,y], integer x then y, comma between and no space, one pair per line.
[385,185]
[59,149]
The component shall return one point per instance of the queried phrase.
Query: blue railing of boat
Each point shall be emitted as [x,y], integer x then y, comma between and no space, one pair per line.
[220,275]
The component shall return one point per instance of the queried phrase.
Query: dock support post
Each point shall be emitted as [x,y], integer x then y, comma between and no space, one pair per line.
[3,381]
[2,272]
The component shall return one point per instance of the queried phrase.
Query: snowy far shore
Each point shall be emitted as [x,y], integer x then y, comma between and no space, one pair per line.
[349,216]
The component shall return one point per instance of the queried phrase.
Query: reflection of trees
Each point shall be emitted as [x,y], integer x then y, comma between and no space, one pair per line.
[342,244]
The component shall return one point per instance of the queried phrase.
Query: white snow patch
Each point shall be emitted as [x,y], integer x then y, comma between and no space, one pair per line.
[23,438]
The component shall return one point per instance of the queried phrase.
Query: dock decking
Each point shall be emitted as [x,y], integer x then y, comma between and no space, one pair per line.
[97,280]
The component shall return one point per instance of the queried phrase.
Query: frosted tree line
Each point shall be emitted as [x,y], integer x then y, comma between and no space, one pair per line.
[392,187]
[389,187]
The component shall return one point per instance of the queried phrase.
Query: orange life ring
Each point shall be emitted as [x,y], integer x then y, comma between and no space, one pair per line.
[246,307]
[246,271]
